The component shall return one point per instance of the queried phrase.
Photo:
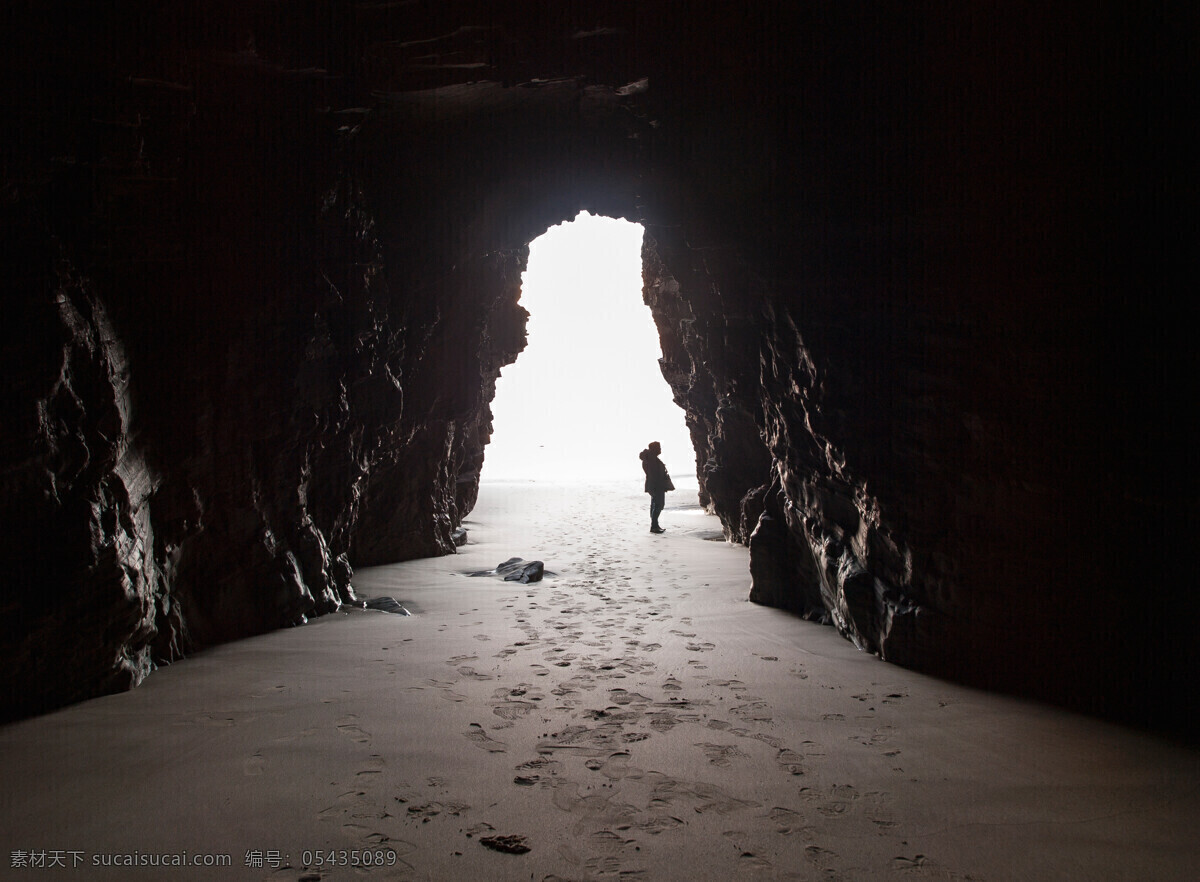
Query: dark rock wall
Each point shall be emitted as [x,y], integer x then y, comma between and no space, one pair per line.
[905,256]
[907,263]
[219,397]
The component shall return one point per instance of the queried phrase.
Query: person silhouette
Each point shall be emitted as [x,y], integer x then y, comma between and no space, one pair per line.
[658,482]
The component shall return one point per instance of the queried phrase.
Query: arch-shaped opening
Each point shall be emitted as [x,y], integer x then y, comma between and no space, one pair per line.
[587,394]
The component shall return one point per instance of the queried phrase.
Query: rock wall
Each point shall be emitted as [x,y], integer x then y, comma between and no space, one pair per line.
[219,396]
[907,265]
[898,296]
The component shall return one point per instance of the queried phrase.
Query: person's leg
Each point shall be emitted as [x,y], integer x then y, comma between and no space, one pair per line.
[657,502]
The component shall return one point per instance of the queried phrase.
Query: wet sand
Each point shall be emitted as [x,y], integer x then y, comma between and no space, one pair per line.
[631,717]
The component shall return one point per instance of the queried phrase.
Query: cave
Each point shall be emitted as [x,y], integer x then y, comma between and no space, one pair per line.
[910,266]
[587,389]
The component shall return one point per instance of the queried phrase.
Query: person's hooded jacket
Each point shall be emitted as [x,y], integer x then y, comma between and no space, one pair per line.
[657,479]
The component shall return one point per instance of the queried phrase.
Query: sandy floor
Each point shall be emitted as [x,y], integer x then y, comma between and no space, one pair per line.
[631,717]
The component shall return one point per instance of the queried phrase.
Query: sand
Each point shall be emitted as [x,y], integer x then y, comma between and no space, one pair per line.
[631,717]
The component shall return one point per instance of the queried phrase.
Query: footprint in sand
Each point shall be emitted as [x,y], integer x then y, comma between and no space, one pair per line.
[518,691]
[427,810]
[660,823]
[719,754]
[790,761]
[479,829]
[482,740]
[841,798]
[540,769]
[908,864]
[345,804]
[748,862]
[623,697]
[788,822]
[444,687]
[366,834]
[275,690]
[360,817]
[617,768]
[593,741]
[346,725]
[307,733]
[877,736]
[608,842]
[663,722]
[374,766]
[754,712]
[609,866]
[924,867]
[592,809]
[703,797]
[823,859]
[254,766]
[472,674]
[769,740]
[513,710]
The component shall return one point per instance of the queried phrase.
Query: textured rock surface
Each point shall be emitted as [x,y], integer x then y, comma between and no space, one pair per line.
[516,569]
[906,264]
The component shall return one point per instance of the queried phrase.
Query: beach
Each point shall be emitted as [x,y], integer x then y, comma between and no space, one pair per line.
[629,716]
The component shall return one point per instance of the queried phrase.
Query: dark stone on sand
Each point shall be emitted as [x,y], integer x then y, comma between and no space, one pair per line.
[527,572]
[459,537]
[516,569]
[386,604]
[506,844]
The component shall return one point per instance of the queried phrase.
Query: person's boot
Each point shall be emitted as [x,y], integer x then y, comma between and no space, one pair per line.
[655,528]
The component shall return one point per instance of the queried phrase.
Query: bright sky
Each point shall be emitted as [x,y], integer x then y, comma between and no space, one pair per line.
[586,395]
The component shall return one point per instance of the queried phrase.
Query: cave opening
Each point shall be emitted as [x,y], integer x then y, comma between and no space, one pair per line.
[587,393]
